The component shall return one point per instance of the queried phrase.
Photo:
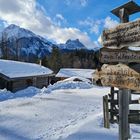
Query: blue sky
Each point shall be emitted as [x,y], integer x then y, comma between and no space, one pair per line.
[59,20]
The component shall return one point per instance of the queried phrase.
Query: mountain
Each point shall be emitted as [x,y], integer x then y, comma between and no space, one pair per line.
[72,45]
[22,44]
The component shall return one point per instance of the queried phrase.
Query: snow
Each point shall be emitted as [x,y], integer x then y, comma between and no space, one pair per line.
[69,72]
[17,32]
[72,45]
[15,69]
[64,114]
[69,83]
[134,48]
[6,95]
[14,31]
[88,132]
[27,40]
[135,107]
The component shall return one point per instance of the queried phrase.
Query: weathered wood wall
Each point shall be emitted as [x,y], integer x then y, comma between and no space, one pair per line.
[123,35]
[22,83]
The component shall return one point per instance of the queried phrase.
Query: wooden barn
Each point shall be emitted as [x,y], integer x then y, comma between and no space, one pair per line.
[70,72]
[16,75]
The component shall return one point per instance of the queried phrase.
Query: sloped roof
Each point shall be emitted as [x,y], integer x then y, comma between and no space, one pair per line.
[69,72]
[15,69]
[130,6]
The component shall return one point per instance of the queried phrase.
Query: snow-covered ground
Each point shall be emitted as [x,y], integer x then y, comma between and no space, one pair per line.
[63,113]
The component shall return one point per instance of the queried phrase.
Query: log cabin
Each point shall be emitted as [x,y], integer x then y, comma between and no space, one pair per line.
[70,72]
[15,75]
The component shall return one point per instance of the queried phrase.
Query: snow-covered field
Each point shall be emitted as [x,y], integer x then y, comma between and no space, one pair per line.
[65,111]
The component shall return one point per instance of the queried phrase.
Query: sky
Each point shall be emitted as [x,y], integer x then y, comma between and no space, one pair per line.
[60,20]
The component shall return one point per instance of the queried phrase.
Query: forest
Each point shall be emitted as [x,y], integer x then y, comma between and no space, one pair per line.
[86,59]
[58,58]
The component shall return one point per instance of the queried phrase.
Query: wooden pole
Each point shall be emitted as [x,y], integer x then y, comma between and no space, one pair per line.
[124,17]
[106,111]
[124,128]
[112,105]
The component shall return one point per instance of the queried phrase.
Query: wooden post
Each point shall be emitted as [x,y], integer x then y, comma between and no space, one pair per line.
[111,104]
[124,129]
[106,111]
[124,17]
[115,39]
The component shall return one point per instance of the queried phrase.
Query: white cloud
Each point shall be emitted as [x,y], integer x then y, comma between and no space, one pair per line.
[59,16]
[110,23]
[86,22]
[61,35]
[100,39]
[95,29]
[28,14]
[9,6]
[83,3]
[93,25]
[77,3]
[59,20]
[107,23]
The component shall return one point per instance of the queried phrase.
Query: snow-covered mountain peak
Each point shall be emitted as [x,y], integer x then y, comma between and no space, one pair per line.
[72,45]
[28,43]
[14,31]
[69,41]
[12,26]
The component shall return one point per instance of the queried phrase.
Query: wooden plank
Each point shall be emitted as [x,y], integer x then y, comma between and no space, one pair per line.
[134,118]
[119,75]
[108,55]
[125,34]
[115,102]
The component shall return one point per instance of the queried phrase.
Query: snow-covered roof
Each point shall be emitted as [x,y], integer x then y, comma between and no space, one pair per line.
[69,72]
[14,69]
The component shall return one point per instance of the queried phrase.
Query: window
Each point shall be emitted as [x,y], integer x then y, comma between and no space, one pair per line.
[29,82]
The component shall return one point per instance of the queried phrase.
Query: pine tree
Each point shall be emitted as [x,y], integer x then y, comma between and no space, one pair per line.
[55,62]
[4,46]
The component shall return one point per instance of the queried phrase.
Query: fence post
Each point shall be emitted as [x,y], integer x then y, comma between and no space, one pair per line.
[111,104]
[106,111]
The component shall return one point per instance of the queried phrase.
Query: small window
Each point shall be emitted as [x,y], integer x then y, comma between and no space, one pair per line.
[29,82]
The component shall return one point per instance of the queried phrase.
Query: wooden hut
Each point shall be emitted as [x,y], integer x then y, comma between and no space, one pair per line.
[70,72]
[16,75]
